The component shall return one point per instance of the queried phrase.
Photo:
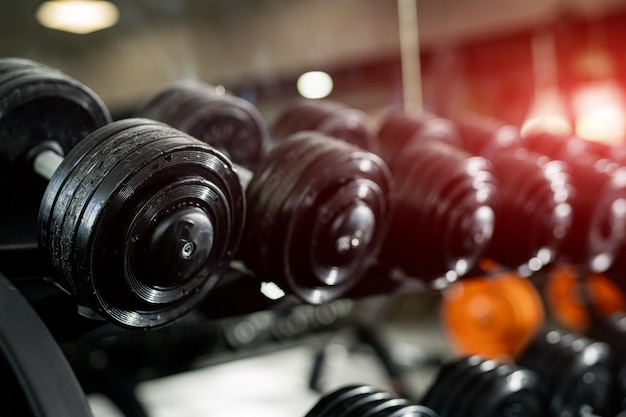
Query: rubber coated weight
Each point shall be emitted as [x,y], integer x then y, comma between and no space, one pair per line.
[227,122]
[448,383]
[577,372]
[358,405]
[536,213]
[411,411]
[398,129]
[326,116]
[40,107]
[598,204]
[445,208]
[143,234]
[318,209]
[337,397]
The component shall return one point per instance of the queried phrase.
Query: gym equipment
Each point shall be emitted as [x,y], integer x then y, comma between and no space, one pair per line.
[472,386]
[598,203]
[492,316]
[536,214]
[42,112]
[366,401]
[445,208]
[141,220]
[317,209]
[326,116]
[227,122]
[397,129]
[577,372]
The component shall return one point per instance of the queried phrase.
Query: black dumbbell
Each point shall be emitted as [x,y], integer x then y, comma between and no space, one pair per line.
[327,116]
[318,208]
[536,216]
[366,401]
[397,129]
[223,120]
[445,209]
[139,219]
[577,372]
[41,110]
[612,331]
[598,202]
[475,387]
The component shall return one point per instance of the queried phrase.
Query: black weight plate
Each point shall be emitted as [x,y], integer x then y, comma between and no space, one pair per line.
[475,381]
[358,402]
[444,207]
[64,173]
[347,198]
[337,396]
[518,392]
[229,123]
[307,184]
[413,410]
[37,105]
[589,380]
[269,188]
[301,114]
[151,171]
[383,408]
[450,383]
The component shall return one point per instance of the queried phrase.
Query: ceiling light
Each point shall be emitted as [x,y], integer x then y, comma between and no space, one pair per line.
[77,16]
[315,84]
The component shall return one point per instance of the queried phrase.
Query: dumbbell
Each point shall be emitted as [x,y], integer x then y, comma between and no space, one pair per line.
[41,109]
[217,117]
[327,116]
[366,401]
[317,210]
[598,202]
[612,331]
[534,191]
[577,372]
[472,386]
[445,209]
[139,219]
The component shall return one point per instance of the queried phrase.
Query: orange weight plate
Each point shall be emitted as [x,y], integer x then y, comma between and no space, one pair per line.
[569,297]
[491,316]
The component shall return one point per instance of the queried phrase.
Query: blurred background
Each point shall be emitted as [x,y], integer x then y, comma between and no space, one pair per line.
[515,60]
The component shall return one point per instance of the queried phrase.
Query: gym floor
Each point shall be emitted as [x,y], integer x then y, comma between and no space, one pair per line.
[276,383]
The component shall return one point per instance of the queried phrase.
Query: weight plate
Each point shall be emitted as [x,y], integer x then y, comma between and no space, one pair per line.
[515,391]
[143,233]
[536,212]
[448,379]
[328,117]
[318,208]
[412,410]
[398,129]
[445,205]
[39,105]
[229,123]
[337,396]
[510,314]
[359,404]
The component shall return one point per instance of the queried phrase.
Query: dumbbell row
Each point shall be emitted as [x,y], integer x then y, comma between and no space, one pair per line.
[459,213]
[559,374]
[82,252]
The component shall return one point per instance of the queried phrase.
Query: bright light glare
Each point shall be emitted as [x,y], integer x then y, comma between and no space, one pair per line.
[600,113]
[77,16]
[314,84]
[547,114]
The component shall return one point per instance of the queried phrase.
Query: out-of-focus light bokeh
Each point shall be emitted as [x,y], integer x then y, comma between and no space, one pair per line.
[77,16]
[600,112]
[315,84]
